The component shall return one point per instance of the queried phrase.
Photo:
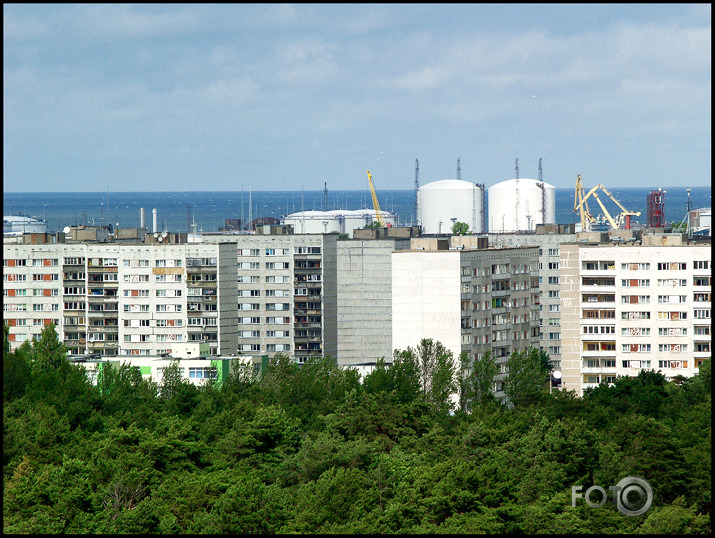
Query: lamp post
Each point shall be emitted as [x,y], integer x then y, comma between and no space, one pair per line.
[555,375]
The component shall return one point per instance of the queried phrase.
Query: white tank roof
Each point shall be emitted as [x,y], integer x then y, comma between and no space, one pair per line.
[445,184]
[335,213]
[512,183]
[18,219]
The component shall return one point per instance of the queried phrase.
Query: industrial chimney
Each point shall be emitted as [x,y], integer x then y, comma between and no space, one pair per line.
[142,221]
[156,226]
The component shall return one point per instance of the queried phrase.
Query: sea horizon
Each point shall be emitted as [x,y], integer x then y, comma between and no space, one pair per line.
[209,209]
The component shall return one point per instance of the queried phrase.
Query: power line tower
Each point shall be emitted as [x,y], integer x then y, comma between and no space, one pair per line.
[540,184]
[417,193]
[459,169]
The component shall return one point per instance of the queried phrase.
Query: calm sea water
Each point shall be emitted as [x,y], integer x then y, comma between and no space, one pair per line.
[210,208]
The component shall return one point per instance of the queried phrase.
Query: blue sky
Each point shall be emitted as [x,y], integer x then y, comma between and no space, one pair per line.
[284,97]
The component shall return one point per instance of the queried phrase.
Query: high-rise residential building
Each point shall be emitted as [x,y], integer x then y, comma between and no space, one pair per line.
[123,299]
[364,286]
[287,294]
[548,238]
[627,307]
[471,299]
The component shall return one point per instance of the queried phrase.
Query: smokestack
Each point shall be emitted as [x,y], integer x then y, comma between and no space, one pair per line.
[142,221]
[156,226]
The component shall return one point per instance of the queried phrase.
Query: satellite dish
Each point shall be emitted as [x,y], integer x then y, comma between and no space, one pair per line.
[160,239]
[156,235]
[556,374]
[164,234]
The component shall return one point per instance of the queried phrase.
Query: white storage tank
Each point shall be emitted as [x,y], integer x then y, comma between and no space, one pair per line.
[518,205]
[336,221]
[442,201]
[17,225]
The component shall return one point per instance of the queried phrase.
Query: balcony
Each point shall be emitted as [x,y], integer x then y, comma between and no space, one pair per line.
[599,370]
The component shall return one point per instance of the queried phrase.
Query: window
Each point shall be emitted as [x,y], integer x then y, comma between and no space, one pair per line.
[635,299]
[701,314]
[635,266]
[635,282]
[201,372]
[704,264]
[635,348]
[672,266]
[673,348]
[673,315]
[672,331]
[672,282]
[671,299]
[635,331]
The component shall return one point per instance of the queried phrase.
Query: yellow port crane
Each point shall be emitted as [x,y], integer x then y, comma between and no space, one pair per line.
[581,205]
[375,203]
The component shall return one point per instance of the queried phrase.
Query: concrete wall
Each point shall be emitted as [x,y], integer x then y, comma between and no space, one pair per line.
[426,299]
[364,322]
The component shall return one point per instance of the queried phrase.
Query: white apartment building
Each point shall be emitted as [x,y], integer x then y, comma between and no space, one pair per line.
[470,299]
[286,292]
[628,307]
[123,299]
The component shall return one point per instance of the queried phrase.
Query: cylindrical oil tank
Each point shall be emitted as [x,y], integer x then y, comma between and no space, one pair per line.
[335,221]
[450,200]
[518,205]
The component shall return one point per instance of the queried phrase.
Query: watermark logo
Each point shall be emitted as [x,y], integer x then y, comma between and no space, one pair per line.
[632,496]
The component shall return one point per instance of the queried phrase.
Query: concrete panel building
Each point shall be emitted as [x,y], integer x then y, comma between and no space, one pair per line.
[287,292]
[628,307]
[364,280]
[471,299]
[116,299]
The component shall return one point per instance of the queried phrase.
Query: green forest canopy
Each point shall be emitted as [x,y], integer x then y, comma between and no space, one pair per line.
[316,449]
